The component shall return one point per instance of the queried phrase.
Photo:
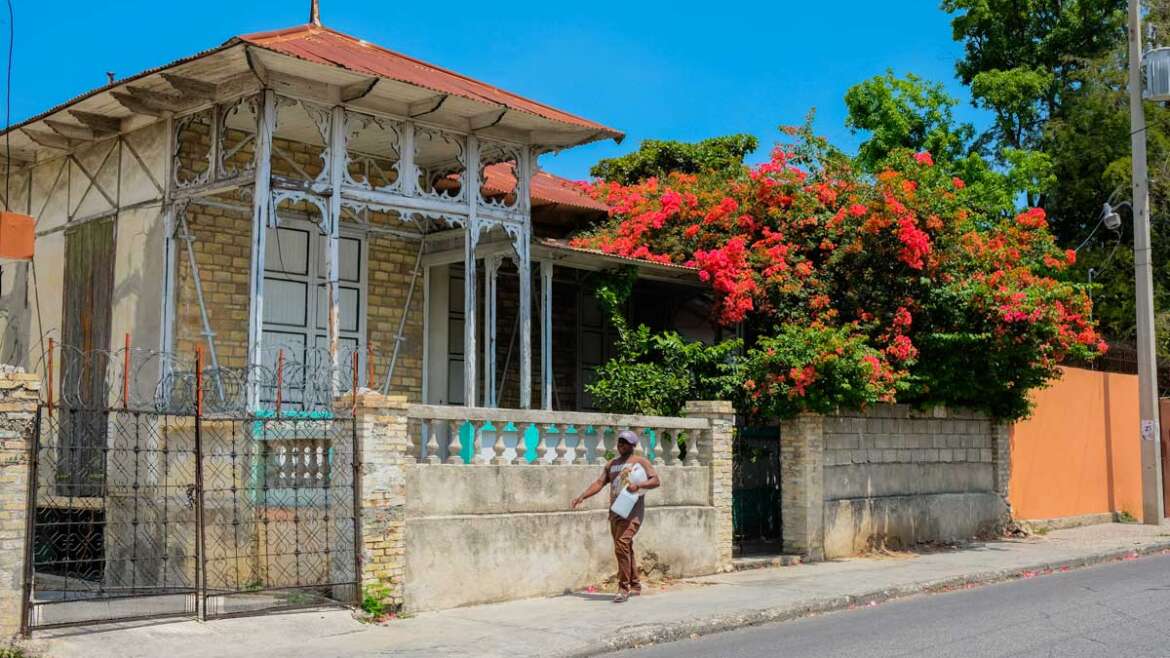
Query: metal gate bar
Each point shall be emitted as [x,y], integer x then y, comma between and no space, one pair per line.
[188,516]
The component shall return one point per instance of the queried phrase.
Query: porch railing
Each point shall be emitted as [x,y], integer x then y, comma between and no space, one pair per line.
[479,435]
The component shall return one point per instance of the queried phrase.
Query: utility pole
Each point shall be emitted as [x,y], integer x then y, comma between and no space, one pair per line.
[1152,511]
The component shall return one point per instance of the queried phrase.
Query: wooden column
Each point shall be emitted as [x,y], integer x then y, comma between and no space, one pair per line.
[546,360]
[470,240]
[261,210]
[337,157]
[524,265]
[491,272]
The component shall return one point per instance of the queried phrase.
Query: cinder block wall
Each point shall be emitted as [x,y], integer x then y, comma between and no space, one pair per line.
[892,476]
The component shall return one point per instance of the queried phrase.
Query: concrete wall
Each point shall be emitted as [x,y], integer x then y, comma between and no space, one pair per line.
[439,536]
[477,534]
[890,476]
[1079,454]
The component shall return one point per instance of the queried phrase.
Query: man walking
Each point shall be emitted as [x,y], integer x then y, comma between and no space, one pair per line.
[616,474]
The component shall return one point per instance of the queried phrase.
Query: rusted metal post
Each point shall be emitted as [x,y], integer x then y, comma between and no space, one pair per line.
[201,545]
[279,379]
[126,373]
[353,391]
[30,528]
[49,378]
[198,381]
[369,366]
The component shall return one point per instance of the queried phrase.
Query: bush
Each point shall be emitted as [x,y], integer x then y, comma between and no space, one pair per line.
[864,288]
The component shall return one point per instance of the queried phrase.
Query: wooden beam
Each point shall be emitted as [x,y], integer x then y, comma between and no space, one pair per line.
[426,106]
[160,101]
[100,124]
[486,119]
[190,86]
[256,64]
[70,131]
[137,105]
[49,140]
[358,90]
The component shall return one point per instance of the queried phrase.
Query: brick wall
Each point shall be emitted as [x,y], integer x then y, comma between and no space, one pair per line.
[18,401]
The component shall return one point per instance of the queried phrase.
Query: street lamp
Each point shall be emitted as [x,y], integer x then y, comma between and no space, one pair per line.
[1152,508]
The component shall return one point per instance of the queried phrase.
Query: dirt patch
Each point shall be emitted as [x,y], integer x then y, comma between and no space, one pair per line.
[653,574]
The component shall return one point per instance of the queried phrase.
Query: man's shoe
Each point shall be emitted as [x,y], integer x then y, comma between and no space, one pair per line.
[621,597]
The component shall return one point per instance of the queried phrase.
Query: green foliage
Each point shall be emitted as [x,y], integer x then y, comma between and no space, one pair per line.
[840,361]
[373,600]
[661,157]
[909,113]
[1022,57]
[656,373]
[905,113]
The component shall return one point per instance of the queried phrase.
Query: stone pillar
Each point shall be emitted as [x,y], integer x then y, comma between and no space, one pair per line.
[1001,459]
[715,453]
[383,447]
[802,484]
[19,393]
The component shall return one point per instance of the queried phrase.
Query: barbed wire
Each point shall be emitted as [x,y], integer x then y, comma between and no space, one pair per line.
[144,379]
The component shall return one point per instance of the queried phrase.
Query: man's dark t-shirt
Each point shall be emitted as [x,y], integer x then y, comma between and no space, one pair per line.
[615,477]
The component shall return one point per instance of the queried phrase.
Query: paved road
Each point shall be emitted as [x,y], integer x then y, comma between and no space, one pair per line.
[1119,609]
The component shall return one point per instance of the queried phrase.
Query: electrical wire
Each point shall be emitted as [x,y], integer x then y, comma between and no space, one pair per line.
[8,107]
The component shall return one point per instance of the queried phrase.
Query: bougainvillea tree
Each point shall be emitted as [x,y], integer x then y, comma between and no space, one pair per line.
[858,289]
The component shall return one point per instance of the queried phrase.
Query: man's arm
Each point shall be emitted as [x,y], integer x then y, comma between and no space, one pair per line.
[652,481]
[592,489]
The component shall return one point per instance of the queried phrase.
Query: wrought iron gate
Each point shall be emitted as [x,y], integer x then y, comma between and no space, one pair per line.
[755,491]
[140,514]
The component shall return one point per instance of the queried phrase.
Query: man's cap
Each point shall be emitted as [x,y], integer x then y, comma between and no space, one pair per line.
[629,437]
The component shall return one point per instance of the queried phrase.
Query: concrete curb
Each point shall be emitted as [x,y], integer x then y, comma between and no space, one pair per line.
[631,637]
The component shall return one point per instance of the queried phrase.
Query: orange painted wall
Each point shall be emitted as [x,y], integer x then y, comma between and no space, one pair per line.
[1080,451]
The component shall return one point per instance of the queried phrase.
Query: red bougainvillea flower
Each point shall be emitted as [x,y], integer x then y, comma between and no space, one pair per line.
[924,158]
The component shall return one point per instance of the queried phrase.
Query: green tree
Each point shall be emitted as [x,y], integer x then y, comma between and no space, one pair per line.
[905,113]
[1022,57]
[912,113]
[656,157]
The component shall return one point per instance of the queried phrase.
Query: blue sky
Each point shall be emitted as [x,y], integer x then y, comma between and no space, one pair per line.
[654,70]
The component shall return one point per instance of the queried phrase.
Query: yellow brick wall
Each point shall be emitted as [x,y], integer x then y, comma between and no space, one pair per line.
[222,249]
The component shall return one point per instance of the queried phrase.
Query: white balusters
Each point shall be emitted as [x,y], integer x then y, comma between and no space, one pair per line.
[542,449]
[455,446]
[580,452]
[433,427]
[487,436]
[499,447]
[478,450]
[410,451]
[693,438]
[521,447]
[562,446]
[597,449]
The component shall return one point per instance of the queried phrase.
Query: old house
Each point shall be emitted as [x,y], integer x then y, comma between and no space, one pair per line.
[307,197]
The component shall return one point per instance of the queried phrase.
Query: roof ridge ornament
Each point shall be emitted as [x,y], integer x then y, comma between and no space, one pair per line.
[315,13]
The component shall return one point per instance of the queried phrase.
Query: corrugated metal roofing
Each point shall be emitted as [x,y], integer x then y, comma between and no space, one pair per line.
[546,188]
[325,46]
[322,45]
[565,245]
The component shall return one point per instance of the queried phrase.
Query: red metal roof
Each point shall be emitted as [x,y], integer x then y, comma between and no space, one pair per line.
[546,188]
[325,46]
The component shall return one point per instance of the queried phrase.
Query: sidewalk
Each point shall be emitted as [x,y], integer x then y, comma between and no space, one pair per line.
[585,623]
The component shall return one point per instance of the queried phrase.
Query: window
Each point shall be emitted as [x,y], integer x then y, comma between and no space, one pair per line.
[296,312]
